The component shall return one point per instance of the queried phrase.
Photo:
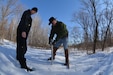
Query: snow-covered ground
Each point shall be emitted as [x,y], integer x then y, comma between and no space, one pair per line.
[100,63]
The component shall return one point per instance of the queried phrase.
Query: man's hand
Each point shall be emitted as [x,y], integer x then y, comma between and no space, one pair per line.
[50,41]
[54,42]
[24,34]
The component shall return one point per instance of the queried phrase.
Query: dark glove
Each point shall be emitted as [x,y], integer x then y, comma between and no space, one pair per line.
[50,41]
[54,42]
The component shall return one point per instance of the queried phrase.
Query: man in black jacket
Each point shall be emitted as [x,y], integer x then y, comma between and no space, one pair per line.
[22,34]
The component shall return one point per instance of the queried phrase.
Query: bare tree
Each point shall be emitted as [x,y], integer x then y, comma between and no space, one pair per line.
[89,19]
[76,37]
[7,10]
[83,20]
[108,16]
[38,36]
[12,30]
[94,9]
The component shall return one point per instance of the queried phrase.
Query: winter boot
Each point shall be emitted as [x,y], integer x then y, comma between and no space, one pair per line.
[27,68]
[54,53]
[24,65]
[66,58]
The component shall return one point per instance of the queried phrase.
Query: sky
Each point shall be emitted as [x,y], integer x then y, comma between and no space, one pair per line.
[60,9]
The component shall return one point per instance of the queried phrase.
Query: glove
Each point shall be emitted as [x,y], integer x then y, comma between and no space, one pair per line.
[50,41]
[54,42]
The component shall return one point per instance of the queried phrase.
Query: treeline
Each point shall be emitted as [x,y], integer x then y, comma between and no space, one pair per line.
[94,25]
[10,15]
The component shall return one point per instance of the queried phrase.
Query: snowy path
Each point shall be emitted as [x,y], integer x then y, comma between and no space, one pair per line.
[100,63]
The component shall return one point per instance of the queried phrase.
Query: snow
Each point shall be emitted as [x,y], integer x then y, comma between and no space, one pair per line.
[100,63]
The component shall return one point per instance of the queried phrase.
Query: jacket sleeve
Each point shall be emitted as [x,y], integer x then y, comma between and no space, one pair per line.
[25,17]
[52,33]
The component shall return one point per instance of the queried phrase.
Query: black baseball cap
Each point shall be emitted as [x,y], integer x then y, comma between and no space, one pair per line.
[51,19]
[35,9]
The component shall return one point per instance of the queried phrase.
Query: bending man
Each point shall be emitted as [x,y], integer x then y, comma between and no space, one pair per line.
[59,28]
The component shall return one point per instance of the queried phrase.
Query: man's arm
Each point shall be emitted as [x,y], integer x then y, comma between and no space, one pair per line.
[25,20]
[25,17]
[52,33]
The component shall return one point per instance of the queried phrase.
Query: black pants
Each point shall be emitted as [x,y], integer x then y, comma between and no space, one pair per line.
[21,50]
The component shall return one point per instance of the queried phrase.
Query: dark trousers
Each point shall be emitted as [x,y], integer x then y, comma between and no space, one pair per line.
[21,50]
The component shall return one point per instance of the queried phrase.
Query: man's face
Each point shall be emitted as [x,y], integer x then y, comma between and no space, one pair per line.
[33,12]
[54,22]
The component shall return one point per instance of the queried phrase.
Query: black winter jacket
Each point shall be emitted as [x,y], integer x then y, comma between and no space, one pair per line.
[25,23]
